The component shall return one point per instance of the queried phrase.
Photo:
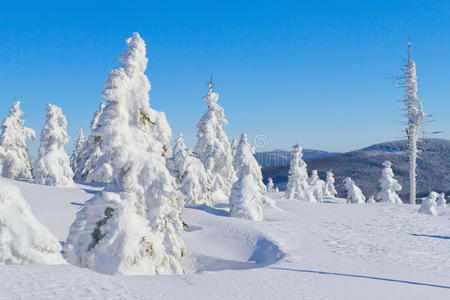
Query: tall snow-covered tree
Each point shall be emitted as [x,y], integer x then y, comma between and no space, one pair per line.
[193,181]
[428,206]
[317,185]
[389,185]
[270,188]
[15,162]
[246,199]
[53,166]
[244,158]
[213,147]
[329,189]
[23,239]
[415,116]
[234,145]
[75,159]
[297,186]
[134,225]
[354,193]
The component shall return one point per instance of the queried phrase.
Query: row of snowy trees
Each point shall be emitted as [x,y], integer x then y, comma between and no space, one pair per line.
[313,189]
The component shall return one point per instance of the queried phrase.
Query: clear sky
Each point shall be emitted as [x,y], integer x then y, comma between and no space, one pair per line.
[319,73]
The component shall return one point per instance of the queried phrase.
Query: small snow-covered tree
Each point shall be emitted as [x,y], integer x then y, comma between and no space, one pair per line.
[440,201]
[234,145]
[244,159]
[193,181]
[297,186]
[270,188]
[93,165]
[213,147]
[14,161]
[23,239]
[52,166]
[371,200]
[389,185]
[317,185]
[429,205]
[246,199]
[78,151]
[134,225]
[329,189]
[354,194]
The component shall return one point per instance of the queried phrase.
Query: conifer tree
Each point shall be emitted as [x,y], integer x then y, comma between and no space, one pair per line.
[329,190]
[428,206]
[354,193]
[14,162]
[244,159]
[389,185]
[270,188]
[317,185]
[78,151]
[53,166]
[213,148]
[297,186]
[134,225]
[440,201]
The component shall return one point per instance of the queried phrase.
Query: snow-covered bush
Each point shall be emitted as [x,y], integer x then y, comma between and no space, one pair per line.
[389,185]
[298,187]
[270,188]
[371,200]
[354,194]
[329,189]
[317,185]
[134,225]
[75,159]
[244,159]
[193,181]
[213,148]
[246,198]
[429,205]
[440,201]
[52,166]
[14,160]
[23,239]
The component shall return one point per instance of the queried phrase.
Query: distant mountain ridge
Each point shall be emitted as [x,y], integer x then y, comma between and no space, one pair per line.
[364,166]
[282,157]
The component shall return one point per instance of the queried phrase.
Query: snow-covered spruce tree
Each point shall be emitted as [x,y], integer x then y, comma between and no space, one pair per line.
[213,147]
[134,225]
[329,189]
[76,156]
[354,194]
[246,199]
[91,168]
[23,239]
[415,115]
[440,201]
[297,186]
[193,181]
[317,185]
[270,188]
[389,185]
[429,205]
[244,159]
[15,162]
[234,145]
[53,166]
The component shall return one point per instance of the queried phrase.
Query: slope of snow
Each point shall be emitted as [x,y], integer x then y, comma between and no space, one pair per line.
[301,251]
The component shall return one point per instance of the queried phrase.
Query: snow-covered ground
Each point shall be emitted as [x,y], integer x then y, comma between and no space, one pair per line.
[301,250]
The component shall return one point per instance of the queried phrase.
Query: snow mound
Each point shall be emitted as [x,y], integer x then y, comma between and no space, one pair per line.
[23,239]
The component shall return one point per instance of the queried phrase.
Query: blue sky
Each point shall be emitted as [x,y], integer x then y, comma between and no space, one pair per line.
[315,72]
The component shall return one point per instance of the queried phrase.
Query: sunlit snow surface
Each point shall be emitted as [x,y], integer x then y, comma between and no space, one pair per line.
[301,250]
